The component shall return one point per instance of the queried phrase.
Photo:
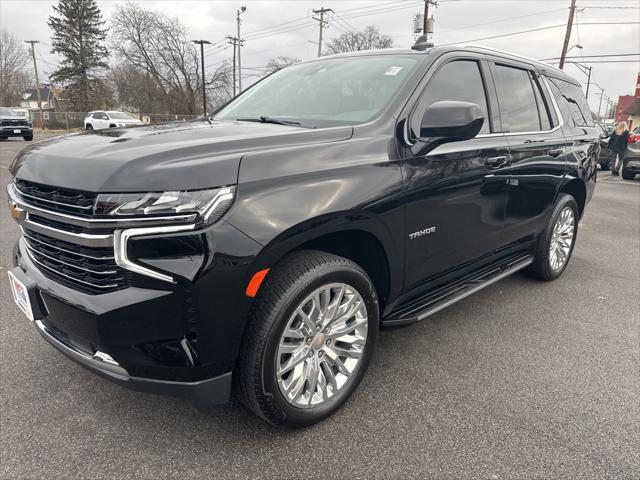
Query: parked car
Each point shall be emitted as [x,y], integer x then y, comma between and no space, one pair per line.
[261,249]
[108,119]
[604,160]
[14,125]
[631,159]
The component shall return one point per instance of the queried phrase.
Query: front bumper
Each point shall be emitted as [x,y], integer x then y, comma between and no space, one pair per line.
[202,393]
[180,339]
[17,131]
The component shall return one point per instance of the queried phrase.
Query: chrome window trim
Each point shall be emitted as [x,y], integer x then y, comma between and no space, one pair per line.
[121,239]
[539,132]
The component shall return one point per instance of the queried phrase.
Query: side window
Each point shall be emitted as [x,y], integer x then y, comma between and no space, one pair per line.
[459,80]
[100,116]
[543,108]
[572,97]
[519,97]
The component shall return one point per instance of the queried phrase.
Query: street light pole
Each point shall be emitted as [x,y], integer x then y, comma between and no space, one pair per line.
[202,43]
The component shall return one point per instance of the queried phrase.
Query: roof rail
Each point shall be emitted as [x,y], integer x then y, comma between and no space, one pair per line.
[512,55]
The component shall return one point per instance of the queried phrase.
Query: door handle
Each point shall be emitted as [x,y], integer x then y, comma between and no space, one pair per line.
[495,162]
[556,153]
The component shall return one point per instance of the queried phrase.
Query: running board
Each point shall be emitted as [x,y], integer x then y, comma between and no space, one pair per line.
[436,300]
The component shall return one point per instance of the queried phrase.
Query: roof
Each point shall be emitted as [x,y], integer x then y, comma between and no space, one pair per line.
[543,67]
[30,94]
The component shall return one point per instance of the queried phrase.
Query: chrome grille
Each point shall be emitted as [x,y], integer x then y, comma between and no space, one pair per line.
[74,202]
[92,270]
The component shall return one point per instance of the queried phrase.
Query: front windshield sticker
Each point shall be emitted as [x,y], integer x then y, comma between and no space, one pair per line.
[393,71]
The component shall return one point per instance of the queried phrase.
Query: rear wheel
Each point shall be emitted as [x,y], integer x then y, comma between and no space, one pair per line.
[555,244]
[605,166]
[627,174]
[309,339]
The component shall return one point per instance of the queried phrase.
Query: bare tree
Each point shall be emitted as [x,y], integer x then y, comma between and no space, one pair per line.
[368,39]
[14,74]
[219,86]
[157,45]
[278,63]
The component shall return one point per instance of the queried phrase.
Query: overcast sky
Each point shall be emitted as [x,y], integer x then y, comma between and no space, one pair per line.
[274,28]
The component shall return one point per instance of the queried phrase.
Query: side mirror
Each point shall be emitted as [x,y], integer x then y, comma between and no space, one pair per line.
[450,121]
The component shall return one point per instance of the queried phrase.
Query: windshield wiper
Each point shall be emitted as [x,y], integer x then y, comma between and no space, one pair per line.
[266,119]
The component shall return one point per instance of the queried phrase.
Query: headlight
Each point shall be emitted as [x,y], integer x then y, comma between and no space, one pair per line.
[210,204]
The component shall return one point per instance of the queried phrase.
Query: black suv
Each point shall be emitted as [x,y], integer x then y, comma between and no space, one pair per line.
[13,125]
[260,250]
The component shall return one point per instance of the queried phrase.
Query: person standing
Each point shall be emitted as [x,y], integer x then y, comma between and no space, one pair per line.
[617,145]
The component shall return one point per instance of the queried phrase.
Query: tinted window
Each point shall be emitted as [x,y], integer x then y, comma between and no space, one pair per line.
[325,92]
[460,80]
[517,100]
[571,95]
[543,107]
[100,115]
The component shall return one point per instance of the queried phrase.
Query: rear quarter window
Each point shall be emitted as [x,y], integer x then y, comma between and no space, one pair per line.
[572,101]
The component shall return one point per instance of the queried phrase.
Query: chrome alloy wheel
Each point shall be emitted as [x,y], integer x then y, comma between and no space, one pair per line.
[322,345]
[562,238]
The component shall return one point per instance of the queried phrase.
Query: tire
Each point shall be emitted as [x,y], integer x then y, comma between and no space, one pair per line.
[28,138]
[541,267]
[89,127]
[605,167]
[282,295]
[628,175]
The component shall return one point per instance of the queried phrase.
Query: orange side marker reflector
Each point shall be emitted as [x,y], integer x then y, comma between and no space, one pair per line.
[256,281]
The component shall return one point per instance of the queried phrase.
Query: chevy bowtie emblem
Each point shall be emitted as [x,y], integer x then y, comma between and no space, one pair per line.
[16,212]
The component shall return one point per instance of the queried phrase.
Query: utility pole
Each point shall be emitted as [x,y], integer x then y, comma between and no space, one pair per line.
[239,12]
[567,36]
[236,44]
[202,43]
[35,68]
[323,22]
[425,20]
[600,105]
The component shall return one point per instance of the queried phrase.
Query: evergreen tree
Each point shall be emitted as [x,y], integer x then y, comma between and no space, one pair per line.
[79,37]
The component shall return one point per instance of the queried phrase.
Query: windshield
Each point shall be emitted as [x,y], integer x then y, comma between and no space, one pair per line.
[120,116]
[327,92]
[7,112]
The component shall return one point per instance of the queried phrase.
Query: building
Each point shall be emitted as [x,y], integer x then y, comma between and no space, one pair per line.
[628,109]
[30,99]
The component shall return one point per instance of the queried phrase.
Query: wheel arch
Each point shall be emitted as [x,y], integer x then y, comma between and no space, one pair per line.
[577,189]
[365,241]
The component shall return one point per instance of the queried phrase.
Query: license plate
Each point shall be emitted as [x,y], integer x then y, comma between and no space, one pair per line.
[17,130]
[21,296]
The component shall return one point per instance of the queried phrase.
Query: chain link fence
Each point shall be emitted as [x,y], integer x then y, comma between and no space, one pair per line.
[75,120]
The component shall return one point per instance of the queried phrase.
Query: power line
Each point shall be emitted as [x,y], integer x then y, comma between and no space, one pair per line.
[595,56]
[501,20]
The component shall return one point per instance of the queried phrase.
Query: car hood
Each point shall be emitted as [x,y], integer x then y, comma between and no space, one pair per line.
[171,156]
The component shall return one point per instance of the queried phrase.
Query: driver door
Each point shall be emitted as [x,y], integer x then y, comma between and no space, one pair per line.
[456,194]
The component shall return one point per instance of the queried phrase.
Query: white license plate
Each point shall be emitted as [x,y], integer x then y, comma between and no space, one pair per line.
[17,130]
[21,295]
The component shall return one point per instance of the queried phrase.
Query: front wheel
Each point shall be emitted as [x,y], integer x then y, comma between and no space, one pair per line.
[28,138]
[555,244]
[309,340]
[89,126]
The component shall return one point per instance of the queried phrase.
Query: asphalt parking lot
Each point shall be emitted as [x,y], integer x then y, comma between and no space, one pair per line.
[522,380]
